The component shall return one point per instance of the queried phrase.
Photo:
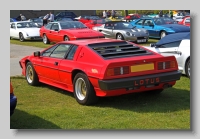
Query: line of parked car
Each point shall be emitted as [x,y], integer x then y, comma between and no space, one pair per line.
[95,57]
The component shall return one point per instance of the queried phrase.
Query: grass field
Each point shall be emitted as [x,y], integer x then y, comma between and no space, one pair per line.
[46,107]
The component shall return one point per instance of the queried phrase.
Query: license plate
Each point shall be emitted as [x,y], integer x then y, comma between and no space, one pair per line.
[143,40]
[142,67]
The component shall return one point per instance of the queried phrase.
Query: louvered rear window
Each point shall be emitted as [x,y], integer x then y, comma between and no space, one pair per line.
[110,50]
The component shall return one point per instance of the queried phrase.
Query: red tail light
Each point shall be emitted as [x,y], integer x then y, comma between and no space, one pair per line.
[118,71]
[166,65]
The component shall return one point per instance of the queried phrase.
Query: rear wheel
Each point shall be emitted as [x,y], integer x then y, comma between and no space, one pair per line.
[66,38]
[162,34]
[21,37]
[83,90]
[31,75]
[187,68]
[45,39]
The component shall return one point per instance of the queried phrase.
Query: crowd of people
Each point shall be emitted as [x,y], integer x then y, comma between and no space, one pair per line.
[107,13]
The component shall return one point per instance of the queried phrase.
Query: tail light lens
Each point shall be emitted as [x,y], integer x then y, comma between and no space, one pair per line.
[118,71]
[166,65]
[11,89]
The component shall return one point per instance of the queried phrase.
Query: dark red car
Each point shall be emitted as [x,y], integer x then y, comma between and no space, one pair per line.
[67,31]
[100,67]
[95,23]
[87,18]
[185,21]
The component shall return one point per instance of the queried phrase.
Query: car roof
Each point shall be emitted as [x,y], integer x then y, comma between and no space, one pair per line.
[174,37]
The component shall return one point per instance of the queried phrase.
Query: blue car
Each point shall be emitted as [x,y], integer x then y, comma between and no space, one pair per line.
[13,20]
[159,27]
[13,100]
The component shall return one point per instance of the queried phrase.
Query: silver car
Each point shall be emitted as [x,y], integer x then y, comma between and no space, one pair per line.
[123,31]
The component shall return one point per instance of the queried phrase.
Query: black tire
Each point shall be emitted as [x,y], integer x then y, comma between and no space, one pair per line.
[66,38]
[31,75]
[187,68]
[21,37]
[45,39]
[83,90]
[162,34]
[119,36]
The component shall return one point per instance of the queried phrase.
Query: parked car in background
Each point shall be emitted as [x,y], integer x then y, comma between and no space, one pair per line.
[13,20]
[180,15]
[177,45]
[159,27]
[67,14]
[13,100]
[67,31]
[100,68]
[38,21]
[185,21]
[87,18]
[64,19]
[24,30]
[95,23]
[131,17]
[123,31]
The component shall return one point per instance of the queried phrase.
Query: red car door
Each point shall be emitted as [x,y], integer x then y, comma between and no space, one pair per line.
[48,63]
[187,21]
[54,35]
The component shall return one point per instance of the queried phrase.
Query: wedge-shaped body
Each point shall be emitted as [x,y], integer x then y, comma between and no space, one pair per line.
[99,68]
[67,31]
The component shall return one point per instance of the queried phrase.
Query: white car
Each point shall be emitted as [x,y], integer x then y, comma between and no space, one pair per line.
[24,30]
[178,45]
[179,16]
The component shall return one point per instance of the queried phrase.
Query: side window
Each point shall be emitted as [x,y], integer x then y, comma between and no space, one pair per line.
[72,52]
[48,26]
[139,22]
[54,26]
[187,20]
[107,25]
[49,51]
[170,45]
[148,22]
[60,51]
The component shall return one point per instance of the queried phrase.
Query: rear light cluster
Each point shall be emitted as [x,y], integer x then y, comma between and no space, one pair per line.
[118,71]
[166,65]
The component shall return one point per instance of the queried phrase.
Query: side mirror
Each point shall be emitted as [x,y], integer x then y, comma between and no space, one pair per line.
[36,54]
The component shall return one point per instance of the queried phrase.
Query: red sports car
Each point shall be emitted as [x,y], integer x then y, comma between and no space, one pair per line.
[66,31]
[100,67]
[185,21]
[95,23]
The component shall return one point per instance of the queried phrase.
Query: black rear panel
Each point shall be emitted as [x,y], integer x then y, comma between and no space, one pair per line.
[122,49]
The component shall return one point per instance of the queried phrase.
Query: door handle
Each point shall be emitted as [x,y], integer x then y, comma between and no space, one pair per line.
[56,63]
[49,31]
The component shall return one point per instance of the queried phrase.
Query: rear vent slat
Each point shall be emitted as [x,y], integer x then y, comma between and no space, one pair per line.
[122,49]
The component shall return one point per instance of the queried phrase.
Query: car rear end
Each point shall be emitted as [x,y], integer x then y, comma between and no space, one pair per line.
[132,68]
[13,100]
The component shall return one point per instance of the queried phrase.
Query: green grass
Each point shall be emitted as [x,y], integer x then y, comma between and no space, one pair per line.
[42,45]
[46,107]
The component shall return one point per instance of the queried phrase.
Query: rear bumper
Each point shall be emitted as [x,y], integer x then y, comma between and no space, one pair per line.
[136,82]
[13,104]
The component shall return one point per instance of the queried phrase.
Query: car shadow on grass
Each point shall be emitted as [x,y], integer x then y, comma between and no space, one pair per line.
[23,120]
[169,100]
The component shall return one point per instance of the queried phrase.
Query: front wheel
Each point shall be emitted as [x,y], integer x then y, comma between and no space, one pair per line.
[119,37]
[31,75]
[187,69]
[83,90]
[66,38]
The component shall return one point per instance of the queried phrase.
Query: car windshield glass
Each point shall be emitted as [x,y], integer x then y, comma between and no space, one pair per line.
[26,25]
[71,25]
[93,17]
[65,19]
[38,20]
[163,21]
[123,25]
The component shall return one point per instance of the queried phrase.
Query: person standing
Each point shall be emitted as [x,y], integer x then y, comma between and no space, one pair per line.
[171,14]
[161,13]
[104,14]
[113,14]
[51,18]
[45,19]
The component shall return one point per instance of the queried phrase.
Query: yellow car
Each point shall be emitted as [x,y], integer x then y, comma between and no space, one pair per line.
[115,19]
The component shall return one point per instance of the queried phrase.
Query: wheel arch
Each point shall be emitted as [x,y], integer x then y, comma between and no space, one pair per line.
[185,64]
[74,72]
